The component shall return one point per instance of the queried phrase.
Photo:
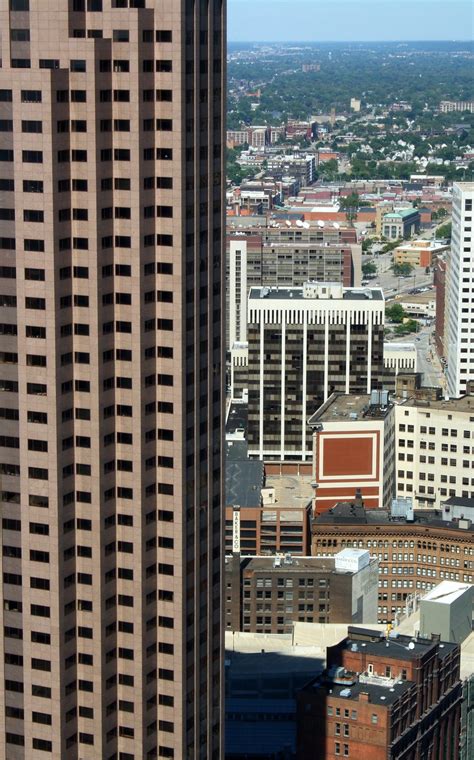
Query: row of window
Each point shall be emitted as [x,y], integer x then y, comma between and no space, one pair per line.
[80,413]
[81,186]
[117,65]
[433,431]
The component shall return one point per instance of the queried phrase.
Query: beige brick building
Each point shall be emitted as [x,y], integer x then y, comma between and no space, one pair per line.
[111,171]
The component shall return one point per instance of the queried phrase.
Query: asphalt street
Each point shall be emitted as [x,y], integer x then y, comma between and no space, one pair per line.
[393,285]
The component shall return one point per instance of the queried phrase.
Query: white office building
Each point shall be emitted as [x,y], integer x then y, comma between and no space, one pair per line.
[460,293]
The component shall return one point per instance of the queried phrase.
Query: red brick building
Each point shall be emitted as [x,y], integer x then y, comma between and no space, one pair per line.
[383,698]
[440,285]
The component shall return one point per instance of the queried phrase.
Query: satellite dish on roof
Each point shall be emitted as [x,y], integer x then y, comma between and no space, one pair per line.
[299,223]
[336,225]
[411,645]
[306,225]
[288,223]
[320,223]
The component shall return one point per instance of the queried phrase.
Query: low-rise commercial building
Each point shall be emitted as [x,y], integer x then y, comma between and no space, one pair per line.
[266,519]
[448,106]
[397,357]
[269,594]
[383,698]
[418,253]
[401,224]
[353,449]
[416,550]
[419,305]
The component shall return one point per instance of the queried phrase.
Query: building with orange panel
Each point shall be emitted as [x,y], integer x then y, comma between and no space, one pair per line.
[419,253]
[353,437]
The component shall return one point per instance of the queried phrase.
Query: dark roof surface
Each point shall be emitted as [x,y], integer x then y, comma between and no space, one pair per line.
[244,480]
[348,513]
[236,449]
[237,419]
[459,501]
[379,695]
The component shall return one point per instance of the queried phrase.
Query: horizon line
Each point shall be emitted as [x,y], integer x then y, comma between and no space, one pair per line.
[257,42]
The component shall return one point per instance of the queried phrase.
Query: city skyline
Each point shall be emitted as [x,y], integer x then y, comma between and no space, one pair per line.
[291,21]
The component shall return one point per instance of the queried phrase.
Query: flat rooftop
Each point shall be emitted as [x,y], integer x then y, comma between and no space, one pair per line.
[422,298]
[236,450]
[446,592]
[237,418]
[297,565]
[244,481]
[462,404]
[347,513]
[349,407]
[400,347]
[378,695]
[399,647]
[296,294]
[290,491]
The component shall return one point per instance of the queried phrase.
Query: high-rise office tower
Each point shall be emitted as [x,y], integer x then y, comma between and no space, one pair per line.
[111,171]
[459,324]
[306,343]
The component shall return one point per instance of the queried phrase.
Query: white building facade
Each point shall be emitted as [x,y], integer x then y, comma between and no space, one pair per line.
[460,293]
[434,443]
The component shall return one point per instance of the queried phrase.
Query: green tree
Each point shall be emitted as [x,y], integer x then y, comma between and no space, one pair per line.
[395,313]
[402,270]
[350,202]
[369,268]
[390,245]
[444,231]
[328,169]
[411,325]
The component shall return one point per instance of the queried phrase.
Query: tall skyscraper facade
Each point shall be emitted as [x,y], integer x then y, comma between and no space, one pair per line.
[111,174]
[459,324]
[306,343]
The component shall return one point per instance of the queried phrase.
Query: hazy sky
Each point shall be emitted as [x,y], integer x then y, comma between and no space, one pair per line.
[319,20]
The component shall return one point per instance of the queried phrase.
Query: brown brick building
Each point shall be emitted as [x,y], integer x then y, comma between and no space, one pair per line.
[439,271]
[414,555]
[381,698]
[269,594]
[112,279]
